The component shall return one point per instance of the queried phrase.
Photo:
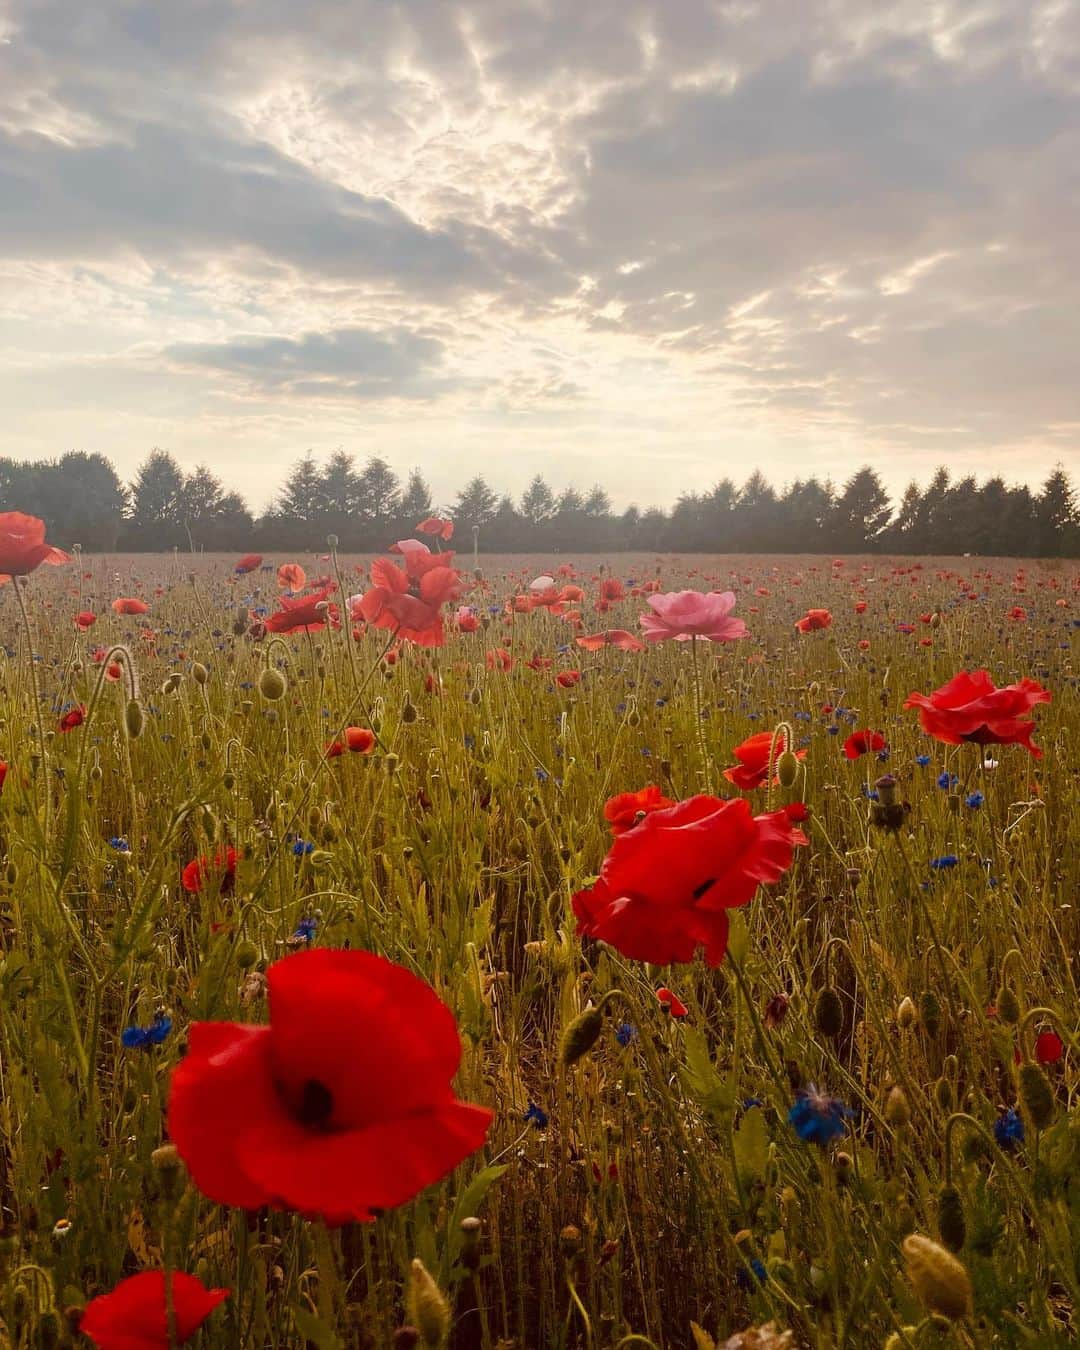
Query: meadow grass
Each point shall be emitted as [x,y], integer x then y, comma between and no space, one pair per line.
[656,1182]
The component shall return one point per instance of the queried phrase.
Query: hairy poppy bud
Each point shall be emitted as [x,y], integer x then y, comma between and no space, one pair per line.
[930,1012]
[246,954]
[581,1035]
[48,1330]
[170,1169]
[897,1110]
[272,684]
[906,1015]
[408,711]
[944,1095]
[950,1218]
[1036,1095]
[1008,1005]
[938,1278]
[199,673]
[428,1309]
[11,874]
[134,719]
[787,769]
[228,780]
[828,1013]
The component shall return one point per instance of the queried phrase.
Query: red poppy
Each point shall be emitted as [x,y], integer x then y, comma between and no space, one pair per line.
[341,1107]
[1049,1047]
[671,1003]
[409,600]
[74,717]
[291,577]
[753,756]
[128,604]
[863,743]
[222,868]
[3,773]
[612,589]
[814,620]
[498,659]
[665,886]
[113,671]
[612,637]
[134,1317]
[23,546]
[970,709]
[860,606]
[797,812]
[567,679]
[303,615]
[358,740]
[85,620]
[443,529]
[248,563]
[628,809]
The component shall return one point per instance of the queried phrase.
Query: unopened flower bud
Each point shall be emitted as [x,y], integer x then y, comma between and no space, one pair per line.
[199,673]
[581,1035]
[1036,1095]
[829,1013]
[897,1109]
[428,1309]
[134,718]
[938,1278]
[272,684]
[930,1012]
[950,1218]
[787,769]
[247,953]
[906,1015]
[408,711]
[1008,1005]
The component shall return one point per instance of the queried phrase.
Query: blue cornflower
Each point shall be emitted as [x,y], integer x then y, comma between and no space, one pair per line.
[120,844]
[869,792]
[305,930]
[301,847]
[744,1278]
[802,716]
[945,861]
[922,761]
[542,775]
[833,730]
[1009,1128]
[142,1038]
[625,1033]
[974,800]
[947,780]
[536,1116]
[817,1119]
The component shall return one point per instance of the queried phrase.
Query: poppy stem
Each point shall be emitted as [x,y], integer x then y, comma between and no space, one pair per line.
[39,724]
[705,772]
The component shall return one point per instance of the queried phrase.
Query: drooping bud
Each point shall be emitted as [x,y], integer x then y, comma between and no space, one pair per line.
[829,1013]
[950,1218]
[787,769]
[427,1308]
[944,1095]
[408,711]
[1008,1005]
[897,1109]
[930,1012]
[199,673]
[581,1035]
[1036,1095]
[134,718]
[906,1015]
[272,684]
[247,953]
[938,1278]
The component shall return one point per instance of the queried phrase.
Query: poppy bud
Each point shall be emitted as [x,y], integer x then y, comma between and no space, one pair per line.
[331,542]
[408,711]
[828,1013]
[133,718]
[474,695]
[787,769]
[1036,1095]
[470,1238]
[897,1110]
[938,1278]
[1008,1005]
[428,1310]
[272,684]
[633,718]
[950,1218]
[205,741]
[392,763]
[246,954]
[166,1162]
[906,1015]
[581,1035]
[199,673]
[930,1012]
[48,1330]
[944,1095]
[20,1304]
[11,874]
[935,620]
[95,773]
[228,780]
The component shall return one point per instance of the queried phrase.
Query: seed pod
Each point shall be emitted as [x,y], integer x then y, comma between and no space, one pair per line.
[428,1309]
[199,673]
[581,1035]
[938,1278]
[134,718]
[950,1218]
[331,542]
[272,684]
[1036,1095]
[829,1013]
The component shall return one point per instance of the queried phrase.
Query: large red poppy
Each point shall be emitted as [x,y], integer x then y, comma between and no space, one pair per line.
[408,601]
[627,809]
[753,756]
[665,886]
[303,615]
[863,743]
[134,1317]
[813,621]
[341,1107]
[970,709]
[23,546]
[129,604]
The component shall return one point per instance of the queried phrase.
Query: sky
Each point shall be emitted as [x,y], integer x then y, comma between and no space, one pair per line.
[641,243]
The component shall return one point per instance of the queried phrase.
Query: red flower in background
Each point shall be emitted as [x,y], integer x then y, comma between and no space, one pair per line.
[611,637]
[753,755]
[3,773]
[671,1003]
[813,621]
[134,1317]
[612,590]
[627,809]
[863,743]
[434,525]
[568,679]
[970,709]
[23,547]
[74,717]
[357,740]
[85,620]
[248,563]
[128,604]
[341,1107]
[222,868]
[303,614]
[408,601]
[665,886]
[291,577]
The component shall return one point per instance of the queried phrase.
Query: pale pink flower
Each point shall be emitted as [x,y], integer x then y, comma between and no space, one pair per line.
[683,615]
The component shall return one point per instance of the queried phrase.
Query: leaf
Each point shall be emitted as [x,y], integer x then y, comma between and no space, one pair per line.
[738,943]
[752,1146]
[318,1333]
[700,1078]
[467,1203]
[702,1339]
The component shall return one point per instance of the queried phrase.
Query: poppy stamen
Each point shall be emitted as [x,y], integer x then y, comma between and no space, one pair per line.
[705,886]
[316,1105]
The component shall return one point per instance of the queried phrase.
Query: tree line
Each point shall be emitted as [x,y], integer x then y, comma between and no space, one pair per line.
[83,500]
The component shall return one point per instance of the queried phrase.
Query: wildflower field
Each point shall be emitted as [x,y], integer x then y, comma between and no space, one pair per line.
[531,952]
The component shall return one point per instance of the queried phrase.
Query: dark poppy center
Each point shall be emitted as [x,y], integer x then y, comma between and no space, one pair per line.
[316,1105]
[705,886]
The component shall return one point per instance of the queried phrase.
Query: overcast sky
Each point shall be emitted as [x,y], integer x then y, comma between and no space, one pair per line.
[645,243]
